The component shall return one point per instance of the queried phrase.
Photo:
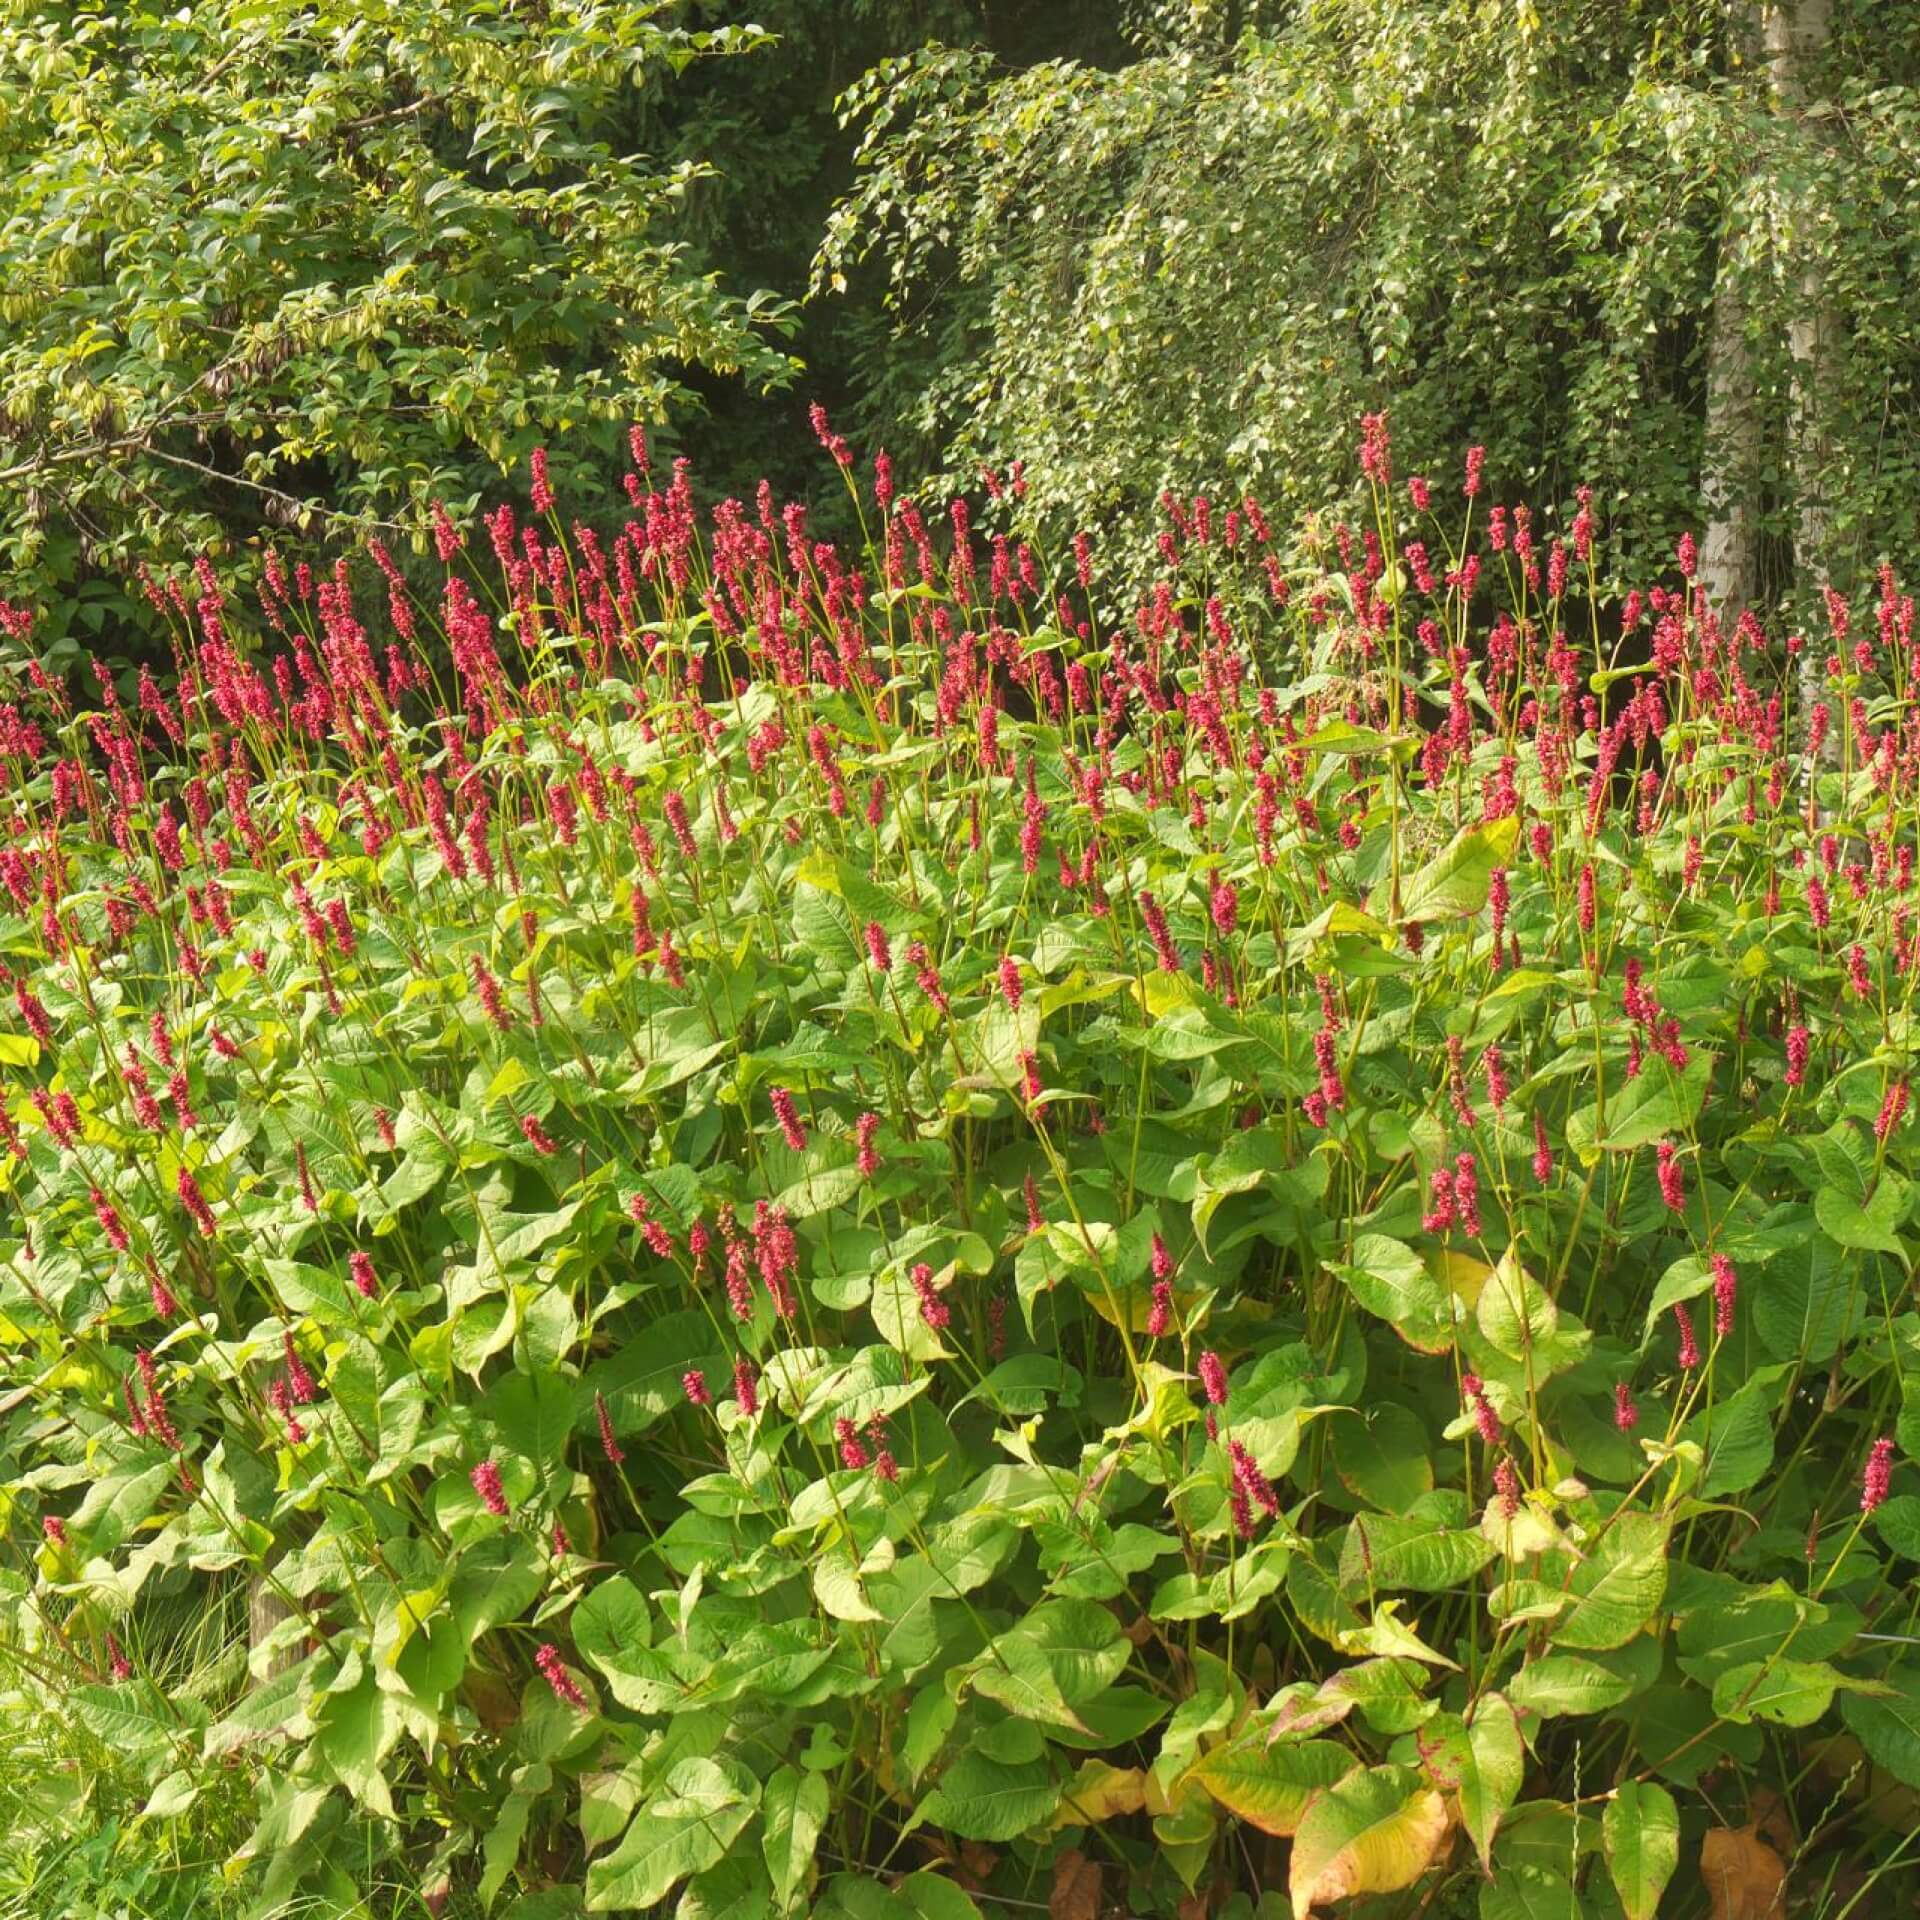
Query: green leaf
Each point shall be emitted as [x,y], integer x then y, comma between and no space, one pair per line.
[1559,1683]
[357,1730]
[1616,1588]
[1807,1301]
[1481,1765]
[642,1383]
[1456,880]
[1736,1438]
[701,1809]
[1523,1890]
[1640,1835]
[1654,1105]
[1514,1313]
[1866,1226]
[1381,1456]
[793,1811]
[979,1798]
[1056,1660]
[1391,1281]
[1421,1553]
[533,1414]
[613,1631]
[1888,1724]
[1490,1783]
[1791,1693]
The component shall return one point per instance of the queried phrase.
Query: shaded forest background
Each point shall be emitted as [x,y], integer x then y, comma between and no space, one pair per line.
[309,266]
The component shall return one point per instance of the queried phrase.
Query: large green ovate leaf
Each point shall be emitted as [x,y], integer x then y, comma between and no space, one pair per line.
[1791,1693]
[1392,1282]
[1640,1833]
[1658,1104]
[1736,1439]
[1865,1225]
[980,1798]
[357,1731]
[700,1810]
[1481,1763]
[1429,1551]
[793,1807]
[1527,1891]
[1059,1658]
[1888,1724]
[1455,881]
[1565,1683]
[1514,1313]
[1381,1456]
[1616,1587]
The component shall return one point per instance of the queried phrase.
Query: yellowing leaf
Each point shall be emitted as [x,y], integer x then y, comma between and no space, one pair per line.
[1460,1273]
[1375,1832]
[1101,1792]
[1270,1787]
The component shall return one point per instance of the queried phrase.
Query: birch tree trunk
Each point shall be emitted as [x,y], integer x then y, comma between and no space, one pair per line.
[1796,36]
[1730,470]
[1730,466]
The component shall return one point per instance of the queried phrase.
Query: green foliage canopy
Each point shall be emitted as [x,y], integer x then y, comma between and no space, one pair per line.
[336,257]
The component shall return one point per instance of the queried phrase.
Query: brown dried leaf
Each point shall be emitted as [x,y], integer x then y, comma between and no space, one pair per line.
[979,1860]
[1744,1877]
[1768,1816]
[1076,1888]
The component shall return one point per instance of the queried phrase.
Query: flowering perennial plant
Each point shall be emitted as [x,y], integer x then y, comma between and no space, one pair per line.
[829,1229]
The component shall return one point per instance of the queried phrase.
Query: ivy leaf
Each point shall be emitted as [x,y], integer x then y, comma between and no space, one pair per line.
[1640,1835]
[1377,1831]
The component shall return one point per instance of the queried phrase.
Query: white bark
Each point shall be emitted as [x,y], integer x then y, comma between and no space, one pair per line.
[1796,36]
[1730,472]
[1730,468]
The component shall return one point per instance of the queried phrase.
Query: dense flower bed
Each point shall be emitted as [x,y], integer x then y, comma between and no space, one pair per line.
[829,1236]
